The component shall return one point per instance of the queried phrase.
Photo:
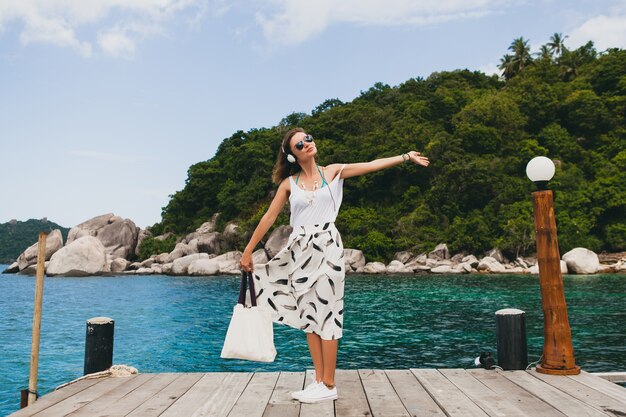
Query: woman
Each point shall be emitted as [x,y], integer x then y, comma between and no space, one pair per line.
[303,284]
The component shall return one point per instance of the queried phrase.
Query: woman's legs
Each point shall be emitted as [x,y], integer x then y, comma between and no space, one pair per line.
[315,347]
[324,355]
[329,354]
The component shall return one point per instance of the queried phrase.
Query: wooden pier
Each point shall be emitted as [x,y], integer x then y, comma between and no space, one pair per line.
[367,392]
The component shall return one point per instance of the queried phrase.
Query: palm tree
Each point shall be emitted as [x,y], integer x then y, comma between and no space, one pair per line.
[557,44]
[511,65]
[545,53]
[521,53]
[507,67]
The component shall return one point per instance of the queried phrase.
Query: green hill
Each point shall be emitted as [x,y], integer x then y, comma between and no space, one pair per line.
[16,236]
[479,132]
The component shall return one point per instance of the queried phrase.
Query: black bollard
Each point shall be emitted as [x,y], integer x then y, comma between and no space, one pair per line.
[99,345]
[511,335]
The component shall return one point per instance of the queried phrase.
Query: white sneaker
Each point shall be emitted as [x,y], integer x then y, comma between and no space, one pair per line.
[298,394]
[319,394]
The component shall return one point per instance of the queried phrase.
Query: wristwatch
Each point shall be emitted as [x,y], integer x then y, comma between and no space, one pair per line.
[405,157]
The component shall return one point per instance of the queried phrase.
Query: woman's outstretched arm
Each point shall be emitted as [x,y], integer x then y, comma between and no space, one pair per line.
[268,219]
[362,168]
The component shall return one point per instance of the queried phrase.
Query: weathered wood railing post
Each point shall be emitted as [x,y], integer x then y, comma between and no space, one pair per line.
[34,352]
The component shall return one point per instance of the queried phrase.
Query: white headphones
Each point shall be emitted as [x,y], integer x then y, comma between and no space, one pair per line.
[290,157]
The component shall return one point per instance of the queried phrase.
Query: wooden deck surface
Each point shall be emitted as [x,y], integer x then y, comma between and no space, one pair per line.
[364,392]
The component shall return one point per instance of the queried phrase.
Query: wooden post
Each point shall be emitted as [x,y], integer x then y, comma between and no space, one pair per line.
[558,352]
[99,344]
[34,353]
[511,338]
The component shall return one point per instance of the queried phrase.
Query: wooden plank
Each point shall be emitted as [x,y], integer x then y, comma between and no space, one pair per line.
[600,384]
[281,403]
[224,396]
[590,396]
[84,397]
[98,407]
[256,395]
[489,401]
[197,395]
[611,376]
[567,404]
[412,394]
[167,396]
[55,397]
[129,402]
[383,399]
[351,401]
[517,396]
[323,409]
[452,400]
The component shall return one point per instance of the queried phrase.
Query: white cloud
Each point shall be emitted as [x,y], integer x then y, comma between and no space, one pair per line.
[295,21]
[119,24]
[605,32]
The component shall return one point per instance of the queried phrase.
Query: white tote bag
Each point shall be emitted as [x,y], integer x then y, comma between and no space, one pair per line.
[250,334]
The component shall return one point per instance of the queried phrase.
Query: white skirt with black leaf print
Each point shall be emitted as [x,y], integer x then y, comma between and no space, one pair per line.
[302,286]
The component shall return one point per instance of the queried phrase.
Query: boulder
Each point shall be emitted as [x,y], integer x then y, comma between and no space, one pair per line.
[193,246]
[12,269]
[205,229]
[164,236]
[142,234]
[374,268]
[180,250]
[353,259]
[227,263]
[489,264]
[581,261]
[162,258]
[167,268]
[180,265]
[209,243]
[259,257]
[440,252]
[442,269]
[456,259]
[470,259]
[157,269]
[144,271]
[83,256]
[54,242]
[520,262]
[231,231]
[496,254]
[119,236]
[403,256]
[147,263]
[119,265]
[514,270]
[278,240]
[397,267]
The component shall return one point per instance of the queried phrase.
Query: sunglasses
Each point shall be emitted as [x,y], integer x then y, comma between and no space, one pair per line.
[300,145]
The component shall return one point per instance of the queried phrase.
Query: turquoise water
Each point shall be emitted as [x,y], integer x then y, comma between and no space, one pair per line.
[177,324]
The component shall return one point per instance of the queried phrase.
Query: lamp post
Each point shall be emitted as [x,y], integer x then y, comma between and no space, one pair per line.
[558,352]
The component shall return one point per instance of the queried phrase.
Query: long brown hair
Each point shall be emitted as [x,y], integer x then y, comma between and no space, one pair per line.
[283,168]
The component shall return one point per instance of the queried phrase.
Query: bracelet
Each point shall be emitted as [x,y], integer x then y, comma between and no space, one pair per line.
[407,157]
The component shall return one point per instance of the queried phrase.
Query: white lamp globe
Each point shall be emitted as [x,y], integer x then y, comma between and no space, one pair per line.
[540,168]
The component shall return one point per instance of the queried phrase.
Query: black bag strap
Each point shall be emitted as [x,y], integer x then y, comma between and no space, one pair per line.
[246,276]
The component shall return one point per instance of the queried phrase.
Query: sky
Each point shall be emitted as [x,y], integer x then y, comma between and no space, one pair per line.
[104,104]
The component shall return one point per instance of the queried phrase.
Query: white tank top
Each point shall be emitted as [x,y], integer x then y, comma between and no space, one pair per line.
[315,207]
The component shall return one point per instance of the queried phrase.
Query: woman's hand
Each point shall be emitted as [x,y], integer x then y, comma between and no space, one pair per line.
[246,262]
[418,159]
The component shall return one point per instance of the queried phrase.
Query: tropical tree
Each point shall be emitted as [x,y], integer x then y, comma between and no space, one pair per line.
[545,53]
[557,45]
[511,65]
